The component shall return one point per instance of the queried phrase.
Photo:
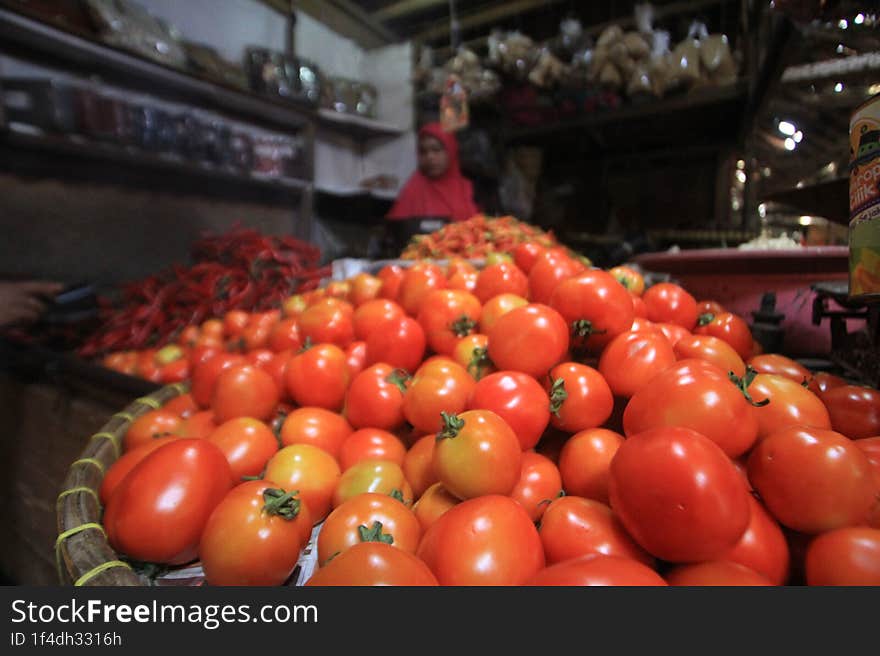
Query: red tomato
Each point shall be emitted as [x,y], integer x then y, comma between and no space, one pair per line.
[293,305]
[285,336]
[539,483]
[716,572]
[244,391]
[711,349]
[472,353]
[443,386]
[632,280]
[519,400]
[501,278]
[846,556]
[355,521]
[871,448]
[318,377]
[550,269]
[709,307]
[595,306]
[435,501]
[477,454]
[329,321]
[418,465]
[579,397]
[174,372]
[489,540]
[673,332]
[197,426]
[854,410]
[530,339]
[447,315]
[119,469]
[763,547]
[364,288]
[371,314]
[399,342]
[183,406]
[391,276]
[276,367]
[159,510]
[371,564]
[813,480]
[356,358]
[375,398]
[379,476]
[254,536]
[779,365]
[149,426]
[822,381]
[585,462]
[316,426]
[597,570]
[234,322]
[526,254]
[247,444]
[640,310]
[666,302]
[205,375]
[418,281]
[632,359]
[259,358]
[574,527]
[678,495]
[465,281]
[729,327]
[497,306]
[788,404]
[256,333]
[370,444]
[311,471]
[697,395]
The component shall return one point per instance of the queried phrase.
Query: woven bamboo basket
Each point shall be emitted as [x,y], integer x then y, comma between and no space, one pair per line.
[82,552]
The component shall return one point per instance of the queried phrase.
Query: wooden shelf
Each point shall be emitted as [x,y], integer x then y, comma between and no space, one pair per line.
[42,43]
[709,115]
[358,127]
[112,154]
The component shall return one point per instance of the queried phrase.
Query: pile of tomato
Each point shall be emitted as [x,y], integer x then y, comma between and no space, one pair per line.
[535,422]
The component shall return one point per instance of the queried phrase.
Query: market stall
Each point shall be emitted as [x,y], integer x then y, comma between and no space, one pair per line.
[633,346]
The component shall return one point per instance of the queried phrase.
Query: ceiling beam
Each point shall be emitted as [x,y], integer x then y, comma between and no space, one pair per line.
[349,20]
[405,8]
[440,29]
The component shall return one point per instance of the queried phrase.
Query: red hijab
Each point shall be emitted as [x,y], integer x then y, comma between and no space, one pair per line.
[451,195]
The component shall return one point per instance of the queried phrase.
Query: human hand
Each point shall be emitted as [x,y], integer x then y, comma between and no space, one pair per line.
[24,301]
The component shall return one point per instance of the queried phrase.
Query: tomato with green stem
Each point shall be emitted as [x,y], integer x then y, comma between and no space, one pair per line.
[539,483]
[364,518]
[446,315]
[373,564]
[472,353]
[254,536]
[311,471]
[579,397]
[375,398]
[477,454]
[729,327]
[379,476]
[438,386]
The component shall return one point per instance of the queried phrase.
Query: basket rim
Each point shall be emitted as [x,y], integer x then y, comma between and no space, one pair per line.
[79,511]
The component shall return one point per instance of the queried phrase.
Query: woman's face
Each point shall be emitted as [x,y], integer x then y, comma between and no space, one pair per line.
[433,158]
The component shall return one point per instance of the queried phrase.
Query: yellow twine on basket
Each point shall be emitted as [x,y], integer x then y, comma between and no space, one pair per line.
[124,415]
[146,400]
[82,580]
[66,534]
[74,490]
[114,439]
[180,388]
[90,461]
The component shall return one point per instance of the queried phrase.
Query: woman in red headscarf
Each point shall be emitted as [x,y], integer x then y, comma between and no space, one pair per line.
[437,189]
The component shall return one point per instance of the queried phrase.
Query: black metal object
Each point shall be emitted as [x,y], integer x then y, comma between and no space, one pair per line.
[857,352]
[767,325]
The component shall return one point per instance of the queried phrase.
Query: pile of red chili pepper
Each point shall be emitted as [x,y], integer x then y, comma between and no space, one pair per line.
[240,269]
[475,238]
